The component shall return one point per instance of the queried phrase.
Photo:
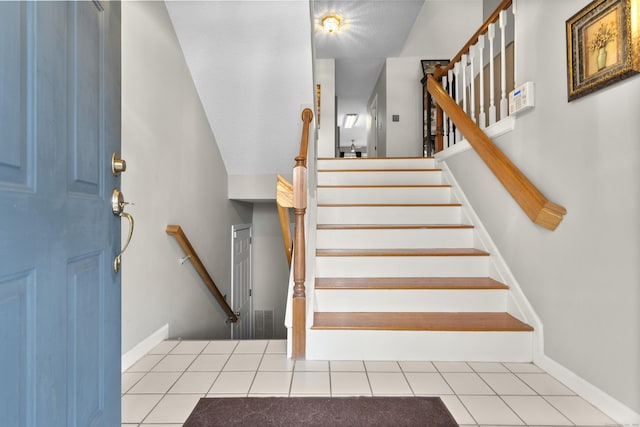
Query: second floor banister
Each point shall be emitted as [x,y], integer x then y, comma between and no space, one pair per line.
[537,207]
[481,75]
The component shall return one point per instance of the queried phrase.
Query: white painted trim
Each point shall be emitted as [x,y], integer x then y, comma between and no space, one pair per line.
[598,398]
[520,306]
[143,347]
[495,130]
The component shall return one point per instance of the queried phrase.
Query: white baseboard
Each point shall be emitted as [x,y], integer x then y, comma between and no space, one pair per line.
[143,347]
[598,398]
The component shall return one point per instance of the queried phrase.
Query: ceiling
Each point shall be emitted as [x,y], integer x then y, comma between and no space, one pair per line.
[371,31]
[251,62]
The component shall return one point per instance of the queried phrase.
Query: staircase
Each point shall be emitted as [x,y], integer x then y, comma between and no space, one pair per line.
[400,274]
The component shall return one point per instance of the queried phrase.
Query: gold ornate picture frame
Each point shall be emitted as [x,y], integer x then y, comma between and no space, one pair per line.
[603,45]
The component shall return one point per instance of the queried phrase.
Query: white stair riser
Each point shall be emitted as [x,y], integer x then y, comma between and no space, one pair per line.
[395,238]
[384,195]
[389,215]
[380,178]
[409,300]
[395,266]
[377,163]
[419,345]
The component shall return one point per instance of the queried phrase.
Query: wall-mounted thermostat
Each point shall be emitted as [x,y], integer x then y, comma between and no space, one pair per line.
[521,98]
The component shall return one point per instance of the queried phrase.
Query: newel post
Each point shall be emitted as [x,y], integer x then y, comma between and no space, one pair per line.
[299,269]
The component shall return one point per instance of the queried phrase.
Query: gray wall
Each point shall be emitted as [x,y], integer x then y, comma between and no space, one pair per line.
[270,268]
[583,279]
[380,90]
[175,176]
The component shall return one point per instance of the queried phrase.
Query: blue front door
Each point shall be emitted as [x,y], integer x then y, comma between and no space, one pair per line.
[59,295]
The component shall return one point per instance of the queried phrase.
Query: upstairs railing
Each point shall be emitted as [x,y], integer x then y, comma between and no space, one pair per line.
[456,117]
[299,255]
[480,76]
[190,254]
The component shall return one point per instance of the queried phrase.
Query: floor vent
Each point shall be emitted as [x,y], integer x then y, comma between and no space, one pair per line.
[263,324]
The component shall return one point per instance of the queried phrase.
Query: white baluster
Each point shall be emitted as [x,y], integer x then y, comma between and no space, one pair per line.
[450,82]
[456,72]
[504,105]
[465,83]
[482,119]
[445,124]
[492,75]
[472,82]
[515,35]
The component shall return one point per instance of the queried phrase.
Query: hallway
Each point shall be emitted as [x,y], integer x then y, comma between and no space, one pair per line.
[162,388]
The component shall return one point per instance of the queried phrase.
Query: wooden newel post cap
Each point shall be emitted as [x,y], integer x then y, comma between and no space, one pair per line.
[307,115]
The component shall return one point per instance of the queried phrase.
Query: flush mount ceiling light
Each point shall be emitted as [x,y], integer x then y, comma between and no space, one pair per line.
[350,120]
[331,23]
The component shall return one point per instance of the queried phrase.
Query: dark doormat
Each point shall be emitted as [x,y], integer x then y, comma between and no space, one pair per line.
[321,411]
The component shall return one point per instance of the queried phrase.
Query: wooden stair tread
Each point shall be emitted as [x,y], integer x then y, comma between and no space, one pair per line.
[377,283]
[395,205]
[388,227]
[373,159]
[382,170]
[387,186]
[402,252]
[498,322]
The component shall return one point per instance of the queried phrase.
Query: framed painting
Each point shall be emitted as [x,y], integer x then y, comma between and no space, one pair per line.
[603,45]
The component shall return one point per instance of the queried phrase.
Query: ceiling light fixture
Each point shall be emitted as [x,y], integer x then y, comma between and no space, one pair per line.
[350,120]
[331,23]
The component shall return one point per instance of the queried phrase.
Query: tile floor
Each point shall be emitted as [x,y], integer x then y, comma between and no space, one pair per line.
[162,388]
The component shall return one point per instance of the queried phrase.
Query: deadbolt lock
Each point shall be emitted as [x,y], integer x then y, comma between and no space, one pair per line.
[117,164]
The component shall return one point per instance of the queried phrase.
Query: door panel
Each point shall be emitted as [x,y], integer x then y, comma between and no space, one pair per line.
[85,36]
[59,298]
[14,164]
[16,302]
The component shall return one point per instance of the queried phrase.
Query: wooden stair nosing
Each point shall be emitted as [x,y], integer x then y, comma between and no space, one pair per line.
[391,205]
[383,170]
[387,186]
[408,283]
[401,252]
[375,158]
[390,226]
[417,321]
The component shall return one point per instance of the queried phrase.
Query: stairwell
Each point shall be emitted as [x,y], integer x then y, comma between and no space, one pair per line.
[400,272]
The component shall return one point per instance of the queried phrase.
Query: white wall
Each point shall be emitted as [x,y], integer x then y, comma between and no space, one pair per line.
[270,268]
[440,31]
[442,28]
[175,176]
[583,279]
[379,91]
[325,75]
[404,98]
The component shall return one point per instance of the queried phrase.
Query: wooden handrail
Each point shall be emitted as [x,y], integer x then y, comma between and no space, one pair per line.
[299,272]
[474,39]
[176,231]
[284,201]
[537,207]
